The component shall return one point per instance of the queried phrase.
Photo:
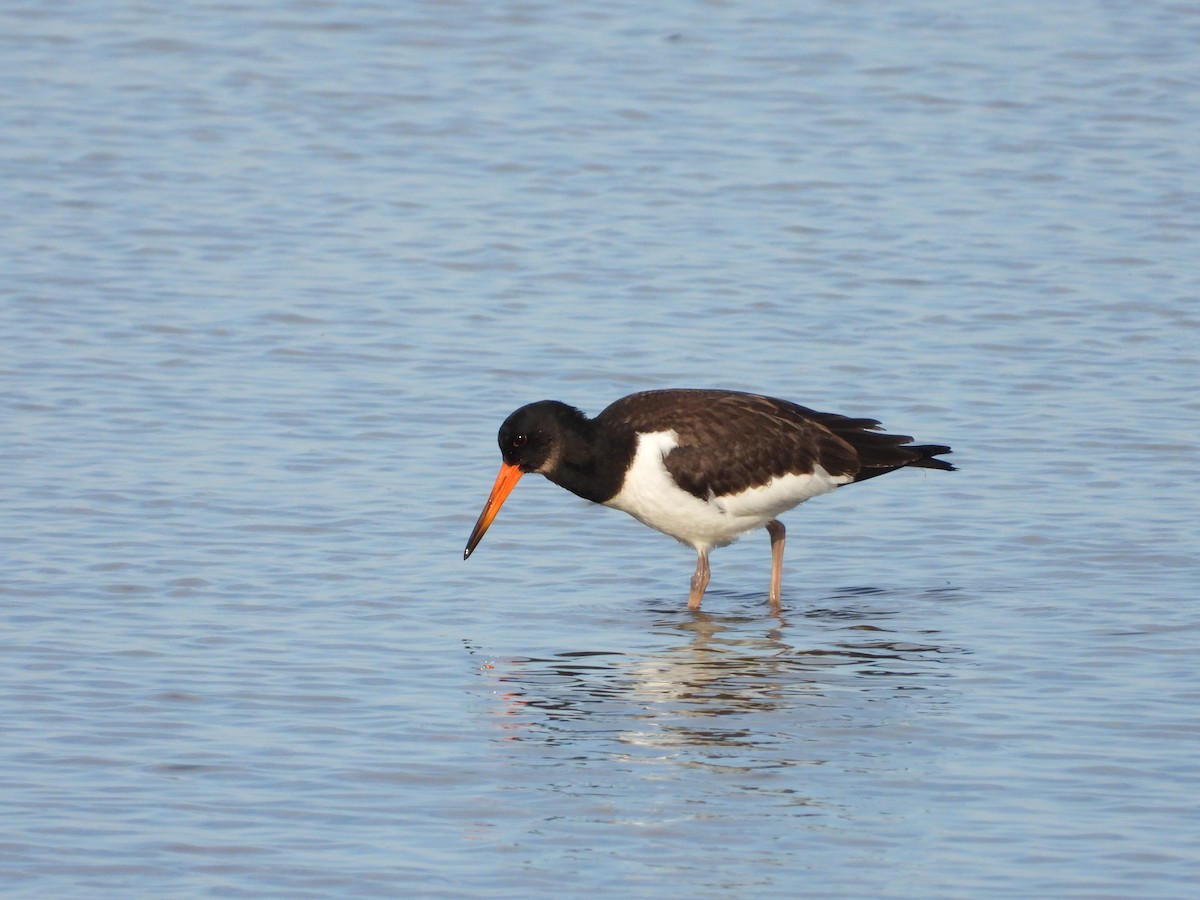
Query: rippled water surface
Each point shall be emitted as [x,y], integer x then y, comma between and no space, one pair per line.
[273,275]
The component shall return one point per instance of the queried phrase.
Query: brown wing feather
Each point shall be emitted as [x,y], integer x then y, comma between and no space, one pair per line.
[729,441]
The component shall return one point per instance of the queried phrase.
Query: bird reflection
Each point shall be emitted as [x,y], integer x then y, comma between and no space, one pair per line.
[719,678]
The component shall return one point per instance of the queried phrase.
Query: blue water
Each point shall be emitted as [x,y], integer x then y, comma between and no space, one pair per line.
[274,273]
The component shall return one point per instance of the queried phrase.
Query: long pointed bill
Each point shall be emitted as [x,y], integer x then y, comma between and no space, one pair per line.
[505,482]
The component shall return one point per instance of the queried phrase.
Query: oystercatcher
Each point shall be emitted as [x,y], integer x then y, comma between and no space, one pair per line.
[703,466]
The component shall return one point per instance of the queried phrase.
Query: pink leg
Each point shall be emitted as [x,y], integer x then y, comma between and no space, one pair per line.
[699,580]
[777,532]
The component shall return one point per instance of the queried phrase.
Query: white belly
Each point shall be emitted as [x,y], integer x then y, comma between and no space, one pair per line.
[651,496]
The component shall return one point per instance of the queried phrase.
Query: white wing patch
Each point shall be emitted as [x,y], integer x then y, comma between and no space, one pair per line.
[651,496]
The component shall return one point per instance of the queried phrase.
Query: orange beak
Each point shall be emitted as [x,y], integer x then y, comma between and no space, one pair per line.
[505,482]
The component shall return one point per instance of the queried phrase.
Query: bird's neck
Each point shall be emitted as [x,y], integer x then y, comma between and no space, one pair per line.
[593,463]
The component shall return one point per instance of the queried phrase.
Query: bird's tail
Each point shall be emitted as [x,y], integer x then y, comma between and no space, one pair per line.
[918,456]
[879,452]
[927,457]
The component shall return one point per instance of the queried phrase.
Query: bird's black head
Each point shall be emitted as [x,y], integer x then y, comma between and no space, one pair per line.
[533,437]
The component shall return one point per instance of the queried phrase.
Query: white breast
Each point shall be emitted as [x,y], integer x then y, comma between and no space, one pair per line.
[651,496]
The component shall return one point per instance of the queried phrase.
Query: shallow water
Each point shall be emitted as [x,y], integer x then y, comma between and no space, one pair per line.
[275,273]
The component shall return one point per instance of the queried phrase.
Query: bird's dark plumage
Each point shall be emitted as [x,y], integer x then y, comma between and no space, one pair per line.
[700,465]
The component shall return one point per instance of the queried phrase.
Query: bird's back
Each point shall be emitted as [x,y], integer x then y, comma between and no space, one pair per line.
[728,440]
